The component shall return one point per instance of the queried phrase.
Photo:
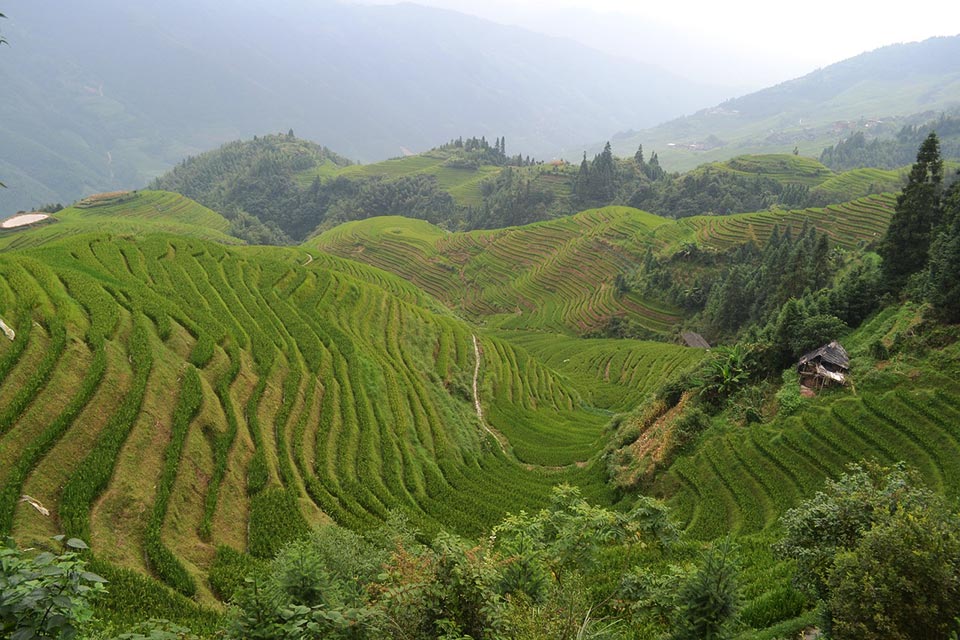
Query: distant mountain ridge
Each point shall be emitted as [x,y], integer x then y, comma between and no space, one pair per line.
[873,92]
[110,94]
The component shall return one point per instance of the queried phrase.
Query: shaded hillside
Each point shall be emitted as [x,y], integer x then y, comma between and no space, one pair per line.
[812,112]
[160,82]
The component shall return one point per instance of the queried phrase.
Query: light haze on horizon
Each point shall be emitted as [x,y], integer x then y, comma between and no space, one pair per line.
[744,44]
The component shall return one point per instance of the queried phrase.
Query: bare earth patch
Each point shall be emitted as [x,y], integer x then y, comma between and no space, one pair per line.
[23,220]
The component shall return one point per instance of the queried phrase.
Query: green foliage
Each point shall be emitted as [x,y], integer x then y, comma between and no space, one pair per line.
[157,630]
[905,247]
[45,595]
[725,372]
[275,520]
[789,399]
[892,153]
[709,599]
[881,551]
[568,536]
[229,570]
[944,264]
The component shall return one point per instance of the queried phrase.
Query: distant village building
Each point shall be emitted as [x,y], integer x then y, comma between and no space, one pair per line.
[830,364]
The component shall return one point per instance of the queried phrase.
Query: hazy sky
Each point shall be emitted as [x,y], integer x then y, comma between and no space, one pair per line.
[745,44]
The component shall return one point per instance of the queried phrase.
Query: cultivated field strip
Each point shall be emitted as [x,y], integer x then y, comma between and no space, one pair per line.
[256,396]
[133,213]
[860,221]
[742,481]
[611,375]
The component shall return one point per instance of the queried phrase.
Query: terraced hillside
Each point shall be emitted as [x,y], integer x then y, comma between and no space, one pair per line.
[127,212]
[601,368]
[742,480]
[556,276]
[559,276]
[849,224]
[166,394]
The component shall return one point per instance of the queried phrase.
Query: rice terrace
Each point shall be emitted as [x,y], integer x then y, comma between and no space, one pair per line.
[253,387]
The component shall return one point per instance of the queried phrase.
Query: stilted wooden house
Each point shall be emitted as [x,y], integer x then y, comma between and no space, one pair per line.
[830,364]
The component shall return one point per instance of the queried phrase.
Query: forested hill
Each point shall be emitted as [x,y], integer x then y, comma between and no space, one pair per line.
[863,93]
[278,189]
[158,82]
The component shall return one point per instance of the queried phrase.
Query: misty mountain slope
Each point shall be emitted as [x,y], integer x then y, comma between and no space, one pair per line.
[871,92]
[110,94]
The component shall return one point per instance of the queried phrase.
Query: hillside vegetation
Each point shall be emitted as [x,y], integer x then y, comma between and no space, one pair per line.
[199,412]
[163,388]
[108,113]
[278,189]
[865,94]
[561,276]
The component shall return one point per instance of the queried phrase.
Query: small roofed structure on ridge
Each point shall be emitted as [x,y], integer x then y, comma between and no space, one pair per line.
[827,365]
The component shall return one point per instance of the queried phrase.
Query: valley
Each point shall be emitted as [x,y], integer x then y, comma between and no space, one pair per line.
[699,381]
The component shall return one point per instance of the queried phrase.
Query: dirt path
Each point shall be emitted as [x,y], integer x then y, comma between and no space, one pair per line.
[309,260]
[476,398]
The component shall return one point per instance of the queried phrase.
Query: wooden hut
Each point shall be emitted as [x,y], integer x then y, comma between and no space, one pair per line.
[830,364]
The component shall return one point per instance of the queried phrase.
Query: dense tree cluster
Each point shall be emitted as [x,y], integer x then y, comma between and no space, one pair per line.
[510,199]
[922,245]
[543,575]
[473,153]
[712,189]
[254,184]
[882,554]
[856,151]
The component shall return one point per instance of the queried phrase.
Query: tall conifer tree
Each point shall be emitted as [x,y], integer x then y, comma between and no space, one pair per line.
[907,243]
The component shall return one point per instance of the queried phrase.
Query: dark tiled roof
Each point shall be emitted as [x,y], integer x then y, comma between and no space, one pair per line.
[833,353]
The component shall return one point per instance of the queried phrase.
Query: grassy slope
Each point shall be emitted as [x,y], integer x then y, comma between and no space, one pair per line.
[462,184]
[556,276]
[131,213]
[848,224]
[351,386]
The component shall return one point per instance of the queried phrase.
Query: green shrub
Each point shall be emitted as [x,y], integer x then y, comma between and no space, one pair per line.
[789,399]
[45,595]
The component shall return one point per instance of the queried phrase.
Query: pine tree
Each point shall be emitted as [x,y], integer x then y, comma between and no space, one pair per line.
[944,274]
[906,245]
[710,598]
[638,157]
[581,185]
[604,175]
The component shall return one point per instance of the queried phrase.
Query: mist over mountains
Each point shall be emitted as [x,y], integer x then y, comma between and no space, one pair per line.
[875,93]
[110,94]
